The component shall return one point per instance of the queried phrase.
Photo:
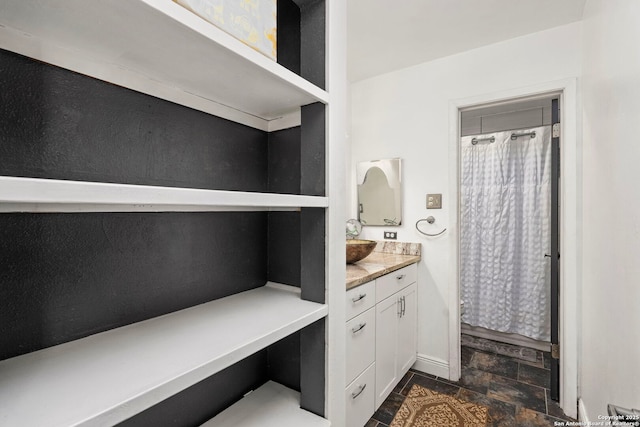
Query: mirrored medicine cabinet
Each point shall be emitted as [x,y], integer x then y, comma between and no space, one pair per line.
[379,192]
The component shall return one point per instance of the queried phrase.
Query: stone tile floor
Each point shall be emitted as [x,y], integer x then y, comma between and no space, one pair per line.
[512,381]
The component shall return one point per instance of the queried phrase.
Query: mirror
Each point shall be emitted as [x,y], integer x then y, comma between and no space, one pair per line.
[379,192]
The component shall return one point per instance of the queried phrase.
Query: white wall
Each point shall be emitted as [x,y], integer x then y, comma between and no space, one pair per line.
[405,114]
[610,357]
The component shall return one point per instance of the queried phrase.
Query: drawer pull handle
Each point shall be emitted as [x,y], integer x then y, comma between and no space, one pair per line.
[358,298]
[359,392]
[400,276]
[359,327]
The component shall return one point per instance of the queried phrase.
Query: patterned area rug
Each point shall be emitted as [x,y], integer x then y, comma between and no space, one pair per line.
[426,408]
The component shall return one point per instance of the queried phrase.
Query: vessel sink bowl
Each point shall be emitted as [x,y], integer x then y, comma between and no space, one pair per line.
[358,249]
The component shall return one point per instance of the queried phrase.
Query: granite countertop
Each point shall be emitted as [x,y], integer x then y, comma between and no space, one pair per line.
[375,265]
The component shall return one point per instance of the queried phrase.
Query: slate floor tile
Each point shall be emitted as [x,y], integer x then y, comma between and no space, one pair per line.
[527,418]
[539,362]
[431,384]
[424,374]
[403,382]
[501,414]
[388,409]
[534,375]
[547,359]
[466,353]
[515,389]
[495,364]
[518,393]
[489,346]
[472,379]
[554,409]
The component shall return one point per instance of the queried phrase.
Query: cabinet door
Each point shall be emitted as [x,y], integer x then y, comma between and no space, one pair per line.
[386,345]
[407,328]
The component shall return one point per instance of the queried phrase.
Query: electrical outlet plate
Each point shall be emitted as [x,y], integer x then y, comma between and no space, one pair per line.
[390,235]
[434,201]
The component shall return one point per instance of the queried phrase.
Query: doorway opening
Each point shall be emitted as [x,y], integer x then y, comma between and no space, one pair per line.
[509,232]
[515,124]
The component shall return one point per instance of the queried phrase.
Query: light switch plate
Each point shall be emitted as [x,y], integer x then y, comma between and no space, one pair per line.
[434,201]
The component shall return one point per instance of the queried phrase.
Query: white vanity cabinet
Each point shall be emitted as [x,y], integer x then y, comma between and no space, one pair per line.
[396,318]
[381,333]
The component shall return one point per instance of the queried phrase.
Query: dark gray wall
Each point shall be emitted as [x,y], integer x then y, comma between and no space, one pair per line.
[289,35]
[66,276]
[284,361]
[284,227]
[312,367]
[284,161]
[70,275]
[204,400]
[313,151]
[312,37]
[58,124]
[312,254]
[301,38]
[284,248]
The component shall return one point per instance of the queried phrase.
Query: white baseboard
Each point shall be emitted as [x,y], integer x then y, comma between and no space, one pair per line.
[582,413]
[432,365]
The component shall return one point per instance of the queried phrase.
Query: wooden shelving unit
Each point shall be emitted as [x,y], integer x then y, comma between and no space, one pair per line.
[161,49]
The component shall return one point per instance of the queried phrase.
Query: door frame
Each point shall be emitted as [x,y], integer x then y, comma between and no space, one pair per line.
[569,195]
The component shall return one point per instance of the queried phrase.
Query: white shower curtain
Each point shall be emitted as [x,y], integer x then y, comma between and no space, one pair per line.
[505,232]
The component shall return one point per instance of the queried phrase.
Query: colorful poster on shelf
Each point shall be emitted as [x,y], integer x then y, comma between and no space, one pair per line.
[252,21]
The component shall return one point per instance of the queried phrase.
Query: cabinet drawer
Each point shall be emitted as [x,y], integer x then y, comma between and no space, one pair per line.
[360,398]
[391,283]
[360,299]
[361,343]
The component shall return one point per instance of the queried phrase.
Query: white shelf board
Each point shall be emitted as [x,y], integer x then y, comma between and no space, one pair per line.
[108,377]
[159,48]
[272,405]
[51,195]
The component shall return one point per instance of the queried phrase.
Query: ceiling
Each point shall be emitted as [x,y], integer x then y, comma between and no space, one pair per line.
[386,35]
